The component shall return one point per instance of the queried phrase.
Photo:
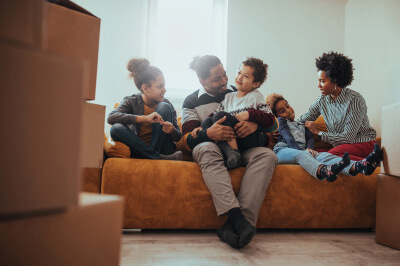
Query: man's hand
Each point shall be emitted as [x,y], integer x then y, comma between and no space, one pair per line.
[245,128]
[312,127]
[194,132]
[167,127]
[218,132]
[243,116]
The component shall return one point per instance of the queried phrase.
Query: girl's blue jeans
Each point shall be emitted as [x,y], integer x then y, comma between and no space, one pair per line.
[160,141]
[308,162]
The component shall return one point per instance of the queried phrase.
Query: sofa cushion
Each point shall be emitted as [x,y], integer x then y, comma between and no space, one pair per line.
[162,194]
[115,149]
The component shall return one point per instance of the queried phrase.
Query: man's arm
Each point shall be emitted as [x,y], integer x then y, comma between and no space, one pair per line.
[190,121]
[216,132]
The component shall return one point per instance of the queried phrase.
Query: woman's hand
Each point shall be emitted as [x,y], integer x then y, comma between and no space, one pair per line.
[194,132]
[243,116]
[154,118]
[312,127]
[312,152]
[167,127]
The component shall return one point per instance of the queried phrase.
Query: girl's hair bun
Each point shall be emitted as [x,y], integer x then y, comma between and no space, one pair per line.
[137,66]
[142,72]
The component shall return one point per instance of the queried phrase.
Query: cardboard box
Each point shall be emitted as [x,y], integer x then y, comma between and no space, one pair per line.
[87,234]
[69,30]
[92,137]
[388,211]
[40,114]
[391,139]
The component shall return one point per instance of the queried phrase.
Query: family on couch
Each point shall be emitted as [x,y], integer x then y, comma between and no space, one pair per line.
[147,124]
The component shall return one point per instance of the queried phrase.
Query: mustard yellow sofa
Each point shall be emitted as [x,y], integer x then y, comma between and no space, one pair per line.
[163,194]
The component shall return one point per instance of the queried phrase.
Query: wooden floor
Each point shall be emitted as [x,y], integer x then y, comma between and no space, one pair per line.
[272,247]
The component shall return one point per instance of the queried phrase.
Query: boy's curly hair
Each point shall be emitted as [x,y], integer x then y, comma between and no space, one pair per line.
[260,69]
[272,100]
[337,67]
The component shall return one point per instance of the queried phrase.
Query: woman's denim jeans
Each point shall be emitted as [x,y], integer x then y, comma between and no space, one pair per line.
[160,141]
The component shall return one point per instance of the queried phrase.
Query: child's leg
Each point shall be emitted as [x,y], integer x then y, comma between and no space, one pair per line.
[314,167]
[326,158]
[255,139]
[369,164]
[301,157]
[160,141]
[229,148]
[233,144]
[139,149]
[207,123]
[229,121]
[330,172]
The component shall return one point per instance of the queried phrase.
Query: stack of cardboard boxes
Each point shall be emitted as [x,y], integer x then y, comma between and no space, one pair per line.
[388,186]
[49,132]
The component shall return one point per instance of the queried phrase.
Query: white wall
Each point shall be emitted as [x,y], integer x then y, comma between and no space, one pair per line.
[372,40]
[121,38]
[288,35]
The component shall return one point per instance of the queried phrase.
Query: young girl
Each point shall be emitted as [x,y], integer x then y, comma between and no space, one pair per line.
[146,122]
[297,143]
[246,103]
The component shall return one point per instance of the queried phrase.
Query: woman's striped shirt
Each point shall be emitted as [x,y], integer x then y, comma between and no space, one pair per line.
[345,117]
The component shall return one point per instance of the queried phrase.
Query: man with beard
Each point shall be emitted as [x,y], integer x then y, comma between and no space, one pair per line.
[260,162]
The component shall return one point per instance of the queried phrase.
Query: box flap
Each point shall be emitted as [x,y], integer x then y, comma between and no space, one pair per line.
[70,5]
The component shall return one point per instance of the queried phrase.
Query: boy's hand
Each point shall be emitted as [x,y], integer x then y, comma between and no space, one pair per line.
[167,127]
[243,116]
[276,134]
[218,132]
[245,128]
[312,152]
[154,118]
[194,132]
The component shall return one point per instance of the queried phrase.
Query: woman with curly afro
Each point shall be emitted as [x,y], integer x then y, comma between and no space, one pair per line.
[296,145]
[344,110]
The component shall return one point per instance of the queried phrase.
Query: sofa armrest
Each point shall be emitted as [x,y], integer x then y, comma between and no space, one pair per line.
[115,149]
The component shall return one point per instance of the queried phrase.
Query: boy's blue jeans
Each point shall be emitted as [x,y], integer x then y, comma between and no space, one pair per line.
[160,141]
[307,161]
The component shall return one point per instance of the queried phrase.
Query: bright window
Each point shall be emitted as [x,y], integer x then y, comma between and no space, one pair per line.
[177,31]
